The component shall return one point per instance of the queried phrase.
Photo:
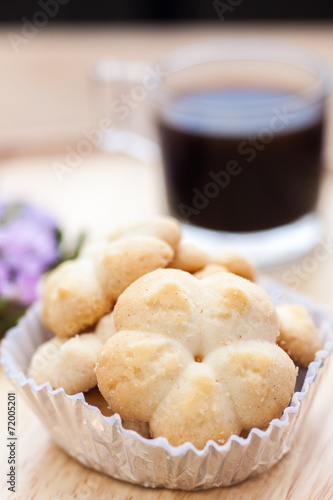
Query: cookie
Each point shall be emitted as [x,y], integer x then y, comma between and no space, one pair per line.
[197,359]
[67,363]
[105,327]
[164,228]
[189,258]
[298,334]
[126,259]
[235,263]
[209,270]
[73,298]
[79,292]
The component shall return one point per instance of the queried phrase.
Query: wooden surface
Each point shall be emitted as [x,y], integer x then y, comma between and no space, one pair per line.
[44,108]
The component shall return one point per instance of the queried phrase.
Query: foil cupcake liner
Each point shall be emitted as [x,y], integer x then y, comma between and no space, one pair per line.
[102,443]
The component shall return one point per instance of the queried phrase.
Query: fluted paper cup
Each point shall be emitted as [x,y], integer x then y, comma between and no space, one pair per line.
[102,443]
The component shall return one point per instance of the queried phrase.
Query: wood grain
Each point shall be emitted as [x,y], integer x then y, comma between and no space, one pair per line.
[106,190]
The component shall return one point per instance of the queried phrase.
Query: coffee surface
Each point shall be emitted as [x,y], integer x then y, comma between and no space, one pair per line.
[251,162]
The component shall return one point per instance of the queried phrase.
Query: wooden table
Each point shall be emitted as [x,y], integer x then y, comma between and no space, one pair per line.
[43,104]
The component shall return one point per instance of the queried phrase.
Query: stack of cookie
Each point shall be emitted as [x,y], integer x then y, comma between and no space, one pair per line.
[179,343]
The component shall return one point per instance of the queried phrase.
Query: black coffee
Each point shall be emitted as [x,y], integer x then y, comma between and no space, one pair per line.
[254,172]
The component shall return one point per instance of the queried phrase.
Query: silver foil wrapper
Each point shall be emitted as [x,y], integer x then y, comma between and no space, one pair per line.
[102,443]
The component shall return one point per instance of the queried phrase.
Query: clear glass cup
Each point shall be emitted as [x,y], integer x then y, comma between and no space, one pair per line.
[241,125]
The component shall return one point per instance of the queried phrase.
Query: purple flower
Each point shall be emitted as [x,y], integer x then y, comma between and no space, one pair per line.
[28,247]
[4,277]
[26,286]
[25,246]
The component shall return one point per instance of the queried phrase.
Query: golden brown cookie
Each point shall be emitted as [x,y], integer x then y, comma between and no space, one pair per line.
[73,298]
[298,334]
[79,292]
[209,270]
[67,363]
[196,359]
[189,258]
[105,328]
[235,263]
[126,259]
[163,227]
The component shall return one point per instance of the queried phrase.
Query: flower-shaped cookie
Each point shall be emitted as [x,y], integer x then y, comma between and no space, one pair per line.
[70,362]
[67,363]
[79,292]
[197,359]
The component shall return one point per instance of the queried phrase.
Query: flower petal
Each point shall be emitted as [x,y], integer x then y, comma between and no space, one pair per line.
[260,378]
[135,371]
[203,410]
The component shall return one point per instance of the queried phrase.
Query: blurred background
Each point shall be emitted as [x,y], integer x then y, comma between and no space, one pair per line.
[47,50]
